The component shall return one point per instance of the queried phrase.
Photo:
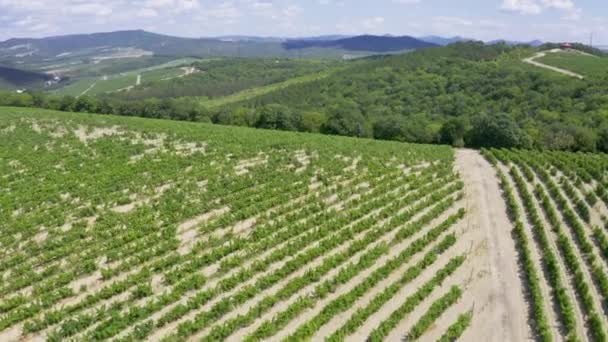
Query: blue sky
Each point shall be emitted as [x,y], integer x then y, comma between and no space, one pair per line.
[549,20]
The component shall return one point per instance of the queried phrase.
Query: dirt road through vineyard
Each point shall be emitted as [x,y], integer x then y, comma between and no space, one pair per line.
[500,309]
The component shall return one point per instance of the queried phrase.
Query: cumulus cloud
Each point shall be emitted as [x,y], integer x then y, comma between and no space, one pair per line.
[198,18]
[373,23]
[89,9]
[522,6]
[531,7]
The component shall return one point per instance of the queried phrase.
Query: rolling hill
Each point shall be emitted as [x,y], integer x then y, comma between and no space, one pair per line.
[466,94]
[98,47]
[582,63]
[114,43]
[362,43]
[142,229]
[11,78]
[204,232]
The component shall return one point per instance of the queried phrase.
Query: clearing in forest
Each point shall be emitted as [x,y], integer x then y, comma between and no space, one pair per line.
[545,60]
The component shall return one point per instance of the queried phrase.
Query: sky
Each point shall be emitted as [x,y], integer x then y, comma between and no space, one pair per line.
[524,20]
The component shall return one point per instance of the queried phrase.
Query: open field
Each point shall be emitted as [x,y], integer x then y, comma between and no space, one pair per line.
[584,64]
[157,230]
[115,82]
[558,203]
[537,61]
[95,85]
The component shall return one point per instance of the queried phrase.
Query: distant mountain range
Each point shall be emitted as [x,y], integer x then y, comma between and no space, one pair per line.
[277,39]
[139,43]
[362,43]
[535,43]
[55,55]
[443,41]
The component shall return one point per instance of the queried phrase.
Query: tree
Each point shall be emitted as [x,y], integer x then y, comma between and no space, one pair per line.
[345,118]
[602,141]
[452,132]
[66,103]
[84,104]
[498,130]
[312,121]
[276,116]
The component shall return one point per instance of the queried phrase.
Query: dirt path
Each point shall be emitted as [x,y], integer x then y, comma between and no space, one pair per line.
[88,89]
[532,61]
[187,72]
[500,309]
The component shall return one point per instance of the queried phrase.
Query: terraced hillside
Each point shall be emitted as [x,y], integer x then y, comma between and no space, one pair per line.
[559,204]
[123,229]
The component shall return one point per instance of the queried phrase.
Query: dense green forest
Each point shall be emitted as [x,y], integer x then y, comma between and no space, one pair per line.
[465,94]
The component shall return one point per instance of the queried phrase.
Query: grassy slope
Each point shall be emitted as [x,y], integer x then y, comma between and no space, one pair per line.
[122,80]
[583,64]
[205,131]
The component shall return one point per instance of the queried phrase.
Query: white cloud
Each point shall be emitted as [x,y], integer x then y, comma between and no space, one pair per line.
[559,4]
[522,6]
[452,21]
[90,9]
[573,15]
[530,7]
[373,23]
[225,10]
[147,13]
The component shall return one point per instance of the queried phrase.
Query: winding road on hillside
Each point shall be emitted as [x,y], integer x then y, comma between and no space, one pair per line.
[533,61]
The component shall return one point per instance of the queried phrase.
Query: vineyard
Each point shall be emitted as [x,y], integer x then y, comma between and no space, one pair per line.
[129,229]
[558,203]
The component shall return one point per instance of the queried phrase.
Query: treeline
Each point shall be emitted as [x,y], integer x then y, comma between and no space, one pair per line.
[173,109]
[487,131]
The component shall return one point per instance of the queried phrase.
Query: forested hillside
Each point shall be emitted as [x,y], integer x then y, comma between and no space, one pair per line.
[465,94]
[221,77]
